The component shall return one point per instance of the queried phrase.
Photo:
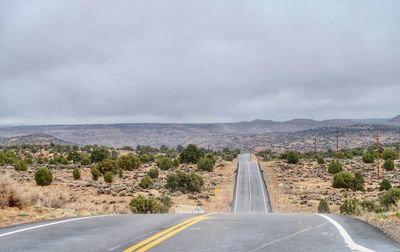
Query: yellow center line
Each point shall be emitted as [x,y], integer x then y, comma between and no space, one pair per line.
[166,231]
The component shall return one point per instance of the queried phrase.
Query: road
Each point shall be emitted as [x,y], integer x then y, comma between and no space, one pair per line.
[250,228]
[251,195]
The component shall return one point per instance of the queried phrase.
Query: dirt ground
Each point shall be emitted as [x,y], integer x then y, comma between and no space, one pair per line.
[298,189]
[67,197]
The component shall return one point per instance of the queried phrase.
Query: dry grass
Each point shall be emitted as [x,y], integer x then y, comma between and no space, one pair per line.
[15,195]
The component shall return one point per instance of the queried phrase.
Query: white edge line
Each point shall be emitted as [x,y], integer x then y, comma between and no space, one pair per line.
[347,238]
[237,185]
[50,224]
[262,186]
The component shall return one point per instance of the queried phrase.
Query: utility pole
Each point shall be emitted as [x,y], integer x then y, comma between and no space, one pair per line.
[337,144]
[378,156]
[315,148]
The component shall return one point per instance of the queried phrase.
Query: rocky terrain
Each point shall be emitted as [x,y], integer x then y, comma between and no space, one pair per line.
[250,135]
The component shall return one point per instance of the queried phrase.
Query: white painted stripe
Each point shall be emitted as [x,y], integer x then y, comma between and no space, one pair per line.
[237,184]
[50,224]
[262,187]
[347,239]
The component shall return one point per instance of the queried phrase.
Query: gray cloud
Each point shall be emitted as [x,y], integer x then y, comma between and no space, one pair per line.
[197,61]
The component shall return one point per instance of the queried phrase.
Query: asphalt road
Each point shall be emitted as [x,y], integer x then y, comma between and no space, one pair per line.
[251,195]
[250,228]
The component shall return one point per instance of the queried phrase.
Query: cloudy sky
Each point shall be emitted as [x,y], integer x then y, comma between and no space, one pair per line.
[197,61]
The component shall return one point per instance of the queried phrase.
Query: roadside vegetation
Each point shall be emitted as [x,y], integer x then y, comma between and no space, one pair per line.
[96,179]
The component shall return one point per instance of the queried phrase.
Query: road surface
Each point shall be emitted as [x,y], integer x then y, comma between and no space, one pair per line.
[249,228]
[251,195]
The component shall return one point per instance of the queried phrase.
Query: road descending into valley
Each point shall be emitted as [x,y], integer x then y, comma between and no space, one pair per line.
[250,227]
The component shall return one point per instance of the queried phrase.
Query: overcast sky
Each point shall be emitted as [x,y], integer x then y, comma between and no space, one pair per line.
[197,61]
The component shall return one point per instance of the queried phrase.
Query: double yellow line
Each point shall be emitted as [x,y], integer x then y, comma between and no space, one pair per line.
[165,234]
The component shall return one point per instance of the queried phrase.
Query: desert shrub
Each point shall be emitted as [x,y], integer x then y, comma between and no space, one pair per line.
[191,154]
[358,182]
[129,162]
[108,177]
[59,159]
[43,176]
[175,162]
[320,160]
[164,163]
[343,179]
[184,182]
[8,157]
[21,165]
[107,165]
[74,156]
[388,165]
[146,182]
[335,166]
[385,185]
[141,204]
[99,154]
[390,153]
[85,159]
[323,206]
[368,158]
[167,201]
[153,173]
[95,173]
[350,207]
[76,174]
[368,205]
[390,197]
[292,157]
[146,157]
[206,164]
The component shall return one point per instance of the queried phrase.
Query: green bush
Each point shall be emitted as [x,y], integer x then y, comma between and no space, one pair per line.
[206,164]
[320,160]
[343,179]
[293,157]
[323,206]
[141,204]
[129,162]
[107,165]
[164,163]
[385,185]
[368,158]
[390,153]
[153,173]
[335,166]
[368,205]
[43,176]
[85,159]
[76,174]
[146,157]
[95,173]
[21,165]
[108,177]
[358,182]
[184,182]
[390,197]
[350,207]
[388,165]
[99,154]
[191,154]
[146,182]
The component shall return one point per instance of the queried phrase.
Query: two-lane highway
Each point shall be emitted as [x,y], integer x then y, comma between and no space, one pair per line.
[249,228]
[251,193]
